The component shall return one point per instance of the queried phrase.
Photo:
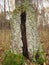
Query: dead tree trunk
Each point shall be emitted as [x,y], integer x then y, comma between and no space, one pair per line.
[23,33]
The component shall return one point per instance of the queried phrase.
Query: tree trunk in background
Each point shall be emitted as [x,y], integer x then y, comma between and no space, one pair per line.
[15,2]
[4,8]
[23,33]
[9,6]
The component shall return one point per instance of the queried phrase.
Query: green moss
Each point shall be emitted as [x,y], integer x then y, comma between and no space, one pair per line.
[38,57]
[13,59]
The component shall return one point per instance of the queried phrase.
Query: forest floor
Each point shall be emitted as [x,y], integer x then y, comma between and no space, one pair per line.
[4,41]
[44,38]
[5,37]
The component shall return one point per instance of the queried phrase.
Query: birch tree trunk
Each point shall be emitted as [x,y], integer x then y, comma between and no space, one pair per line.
[32,36]
[16,43]
[33,39]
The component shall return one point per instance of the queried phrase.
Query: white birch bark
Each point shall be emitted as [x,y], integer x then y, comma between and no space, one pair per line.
[34,43]
[31,30]
[16,43]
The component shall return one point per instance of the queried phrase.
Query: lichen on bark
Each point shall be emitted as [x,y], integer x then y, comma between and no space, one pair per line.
[33,40]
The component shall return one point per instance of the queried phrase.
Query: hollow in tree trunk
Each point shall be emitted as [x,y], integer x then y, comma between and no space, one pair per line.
[23,33]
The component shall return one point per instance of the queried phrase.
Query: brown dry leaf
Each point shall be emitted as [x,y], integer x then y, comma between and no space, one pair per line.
[44,63]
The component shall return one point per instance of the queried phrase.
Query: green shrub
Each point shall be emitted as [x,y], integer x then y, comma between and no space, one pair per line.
[38,57]
[13,59]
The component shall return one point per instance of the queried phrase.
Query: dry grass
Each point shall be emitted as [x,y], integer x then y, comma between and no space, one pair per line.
[44,38]
[5,37]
